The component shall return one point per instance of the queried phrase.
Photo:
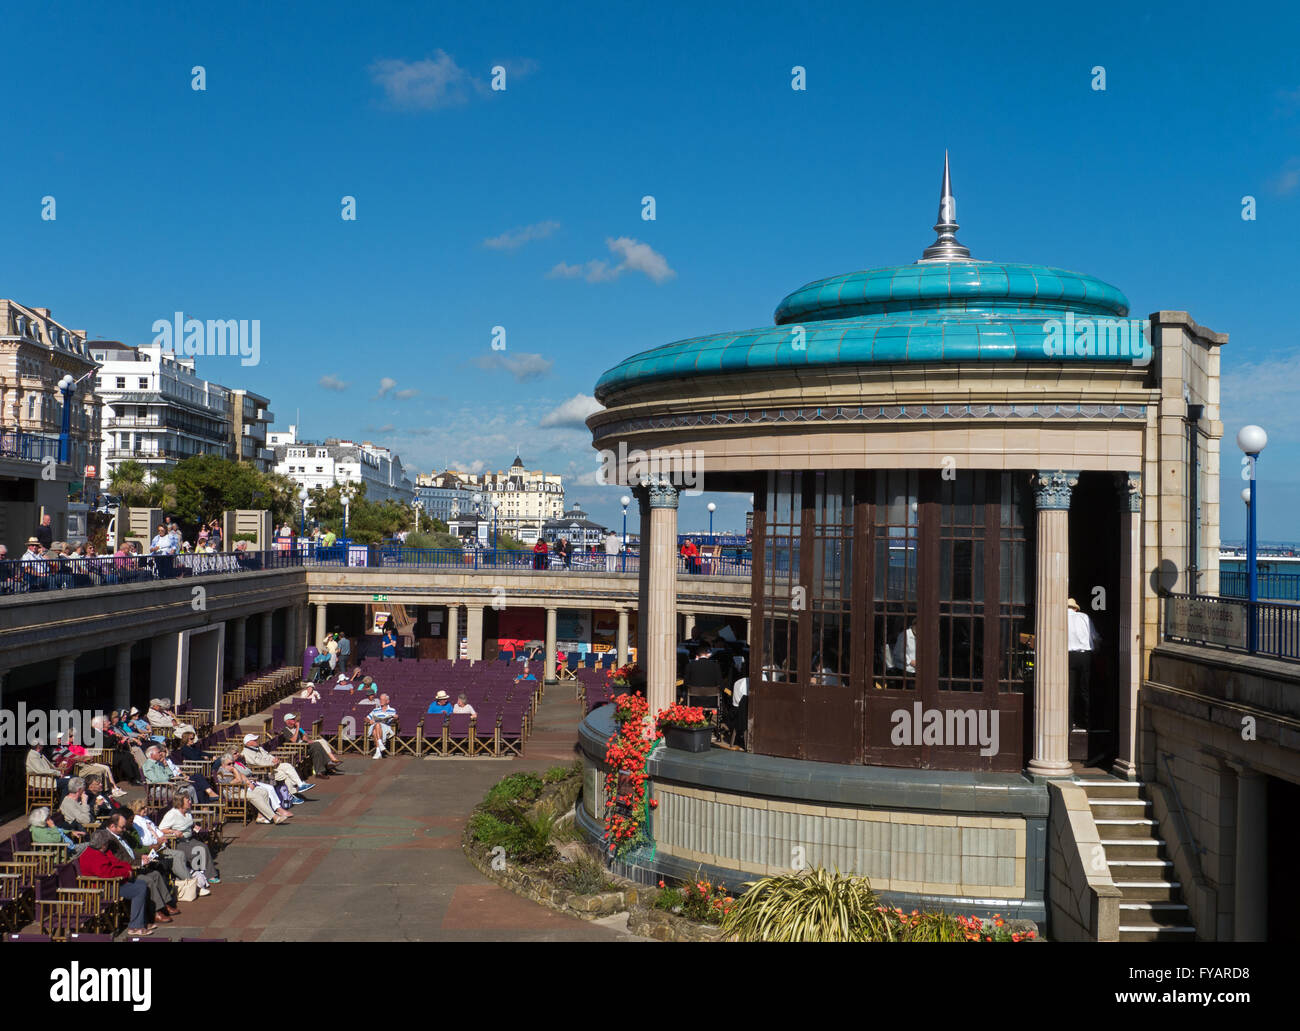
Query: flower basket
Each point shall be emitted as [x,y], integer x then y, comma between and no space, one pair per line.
[697,739]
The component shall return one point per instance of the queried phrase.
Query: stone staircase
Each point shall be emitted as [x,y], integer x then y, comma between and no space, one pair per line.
[1152,908]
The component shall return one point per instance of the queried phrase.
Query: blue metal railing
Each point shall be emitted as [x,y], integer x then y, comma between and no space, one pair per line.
[1272,586]
[1221,622]
[470,559]
[48,574]
[28,447]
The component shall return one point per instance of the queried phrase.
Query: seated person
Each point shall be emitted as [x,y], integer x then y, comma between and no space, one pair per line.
[149,871]
[379,724]
[158,769]
[98,859]
[86,769]
[462,706]
[38,762]
[101,803]
[441,704]
[261,797]
[343,683]
[192,855]
[703,678]
[75,807]
[323,759]
[130,757]
[45,831]
[190,751]
[526,675]
[284,773]
[310,694]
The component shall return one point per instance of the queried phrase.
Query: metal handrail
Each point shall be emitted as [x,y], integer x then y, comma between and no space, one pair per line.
[1197,847]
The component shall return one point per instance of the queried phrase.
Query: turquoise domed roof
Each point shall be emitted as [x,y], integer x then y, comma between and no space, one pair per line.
[944,308]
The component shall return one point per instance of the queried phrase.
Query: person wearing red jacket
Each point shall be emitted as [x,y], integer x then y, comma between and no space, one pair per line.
[97,860]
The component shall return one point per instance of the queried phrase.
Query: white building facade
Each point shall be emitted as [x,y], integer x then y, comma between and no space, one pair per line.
[157,410]
[322,465]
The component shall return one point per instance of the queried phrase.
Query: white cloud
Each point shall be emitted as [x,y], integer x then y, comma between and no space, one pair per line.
[522,367]
[641,257]
[513,239]
[437,81]
[636,257]
[1286,181]
[573,413]
[405,395]
[385,385]
[332,383]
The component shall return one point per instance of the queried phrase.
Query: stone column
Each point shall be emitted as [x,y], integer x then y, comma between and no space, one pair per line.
[65,686]
[122,677]
[292,653]
[642,495]
[320,623]
[548,666]
[660,614]
[688,620]
[1130,623]
[622,637]
[749,628]
[1051,661]
[240,627]
[1250,878]
[453,632]
[264,650]
[474,631]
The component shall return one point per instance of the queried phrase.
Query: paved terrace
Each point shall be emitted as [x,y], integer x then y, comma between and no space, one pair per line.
[375,855]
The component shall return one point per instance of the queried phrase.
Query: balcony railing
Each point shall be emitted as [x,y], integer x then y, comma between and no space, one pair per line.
[1271,587]
[1218,622]
[475,559]
[18,576]
[28,447]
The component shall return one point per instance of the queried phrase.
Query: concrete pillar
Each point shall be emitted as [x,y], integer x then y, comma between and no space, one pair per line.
[240,628]
[548,666]
[749,629]
[264,650]
[660,614]
[1250,887]
[292,653]
[320,623]
[453,632]
[642,495]
[474,631]
[65,686]
[622,637]
[1130,623]
[1051,663]
[688,620]
[122,678]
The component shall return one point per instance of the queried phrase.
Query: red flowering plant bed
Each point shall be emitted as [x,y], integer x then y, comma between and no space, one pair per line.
[626,809]
[624,676]
[702,901]
[995,930]
[684,717]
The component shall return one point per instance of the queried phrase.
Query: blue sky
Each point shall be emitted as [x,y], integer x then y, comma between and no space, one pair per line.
[226,203]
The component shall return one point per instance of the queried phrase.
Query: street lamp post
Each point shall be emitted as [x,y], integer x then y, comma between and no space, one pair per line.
[496,507]
[302,508]
[712,508]
[67,386]
[1252,440]
[345,495]
[623,556]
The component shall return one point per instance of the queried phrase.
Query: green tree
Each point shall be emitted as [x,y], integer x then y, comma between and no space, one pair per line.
[207,485]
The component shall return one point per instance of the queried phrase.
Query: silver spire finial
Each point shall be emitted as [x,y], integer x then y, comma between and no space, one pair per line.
[946,247]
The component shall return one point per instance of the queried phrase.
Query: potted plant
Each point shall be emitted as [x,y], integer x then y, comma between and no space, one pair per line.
[686,728]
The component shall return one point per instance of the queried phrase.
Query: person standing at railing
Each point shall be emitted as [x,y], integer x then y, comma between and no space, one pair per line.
[611,552]
[45,533]
[163,548]
[539,553]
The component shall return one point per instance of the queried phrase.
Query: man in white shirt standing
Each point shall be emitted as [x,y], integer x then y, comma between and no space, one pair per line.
[1083,638]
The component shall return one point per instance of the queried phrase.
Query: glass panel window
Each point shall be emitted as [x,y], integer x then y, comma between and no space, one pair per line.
[894,592]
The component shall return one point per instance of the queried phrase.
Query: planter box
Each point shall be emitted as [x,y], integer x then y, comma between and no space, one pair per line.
[700,740]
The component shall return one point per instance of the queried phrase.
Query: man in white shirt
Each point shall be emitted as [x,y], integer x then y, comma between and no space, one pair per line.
[611,552]
[905,649]
[1083,638]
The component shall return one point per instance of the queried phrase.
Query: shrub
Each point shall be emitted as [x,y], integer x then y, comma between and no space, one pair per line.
[560,773]
[700,900]
[518,787]
[531,841]
[584,876]
[489,830]
[814,905]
